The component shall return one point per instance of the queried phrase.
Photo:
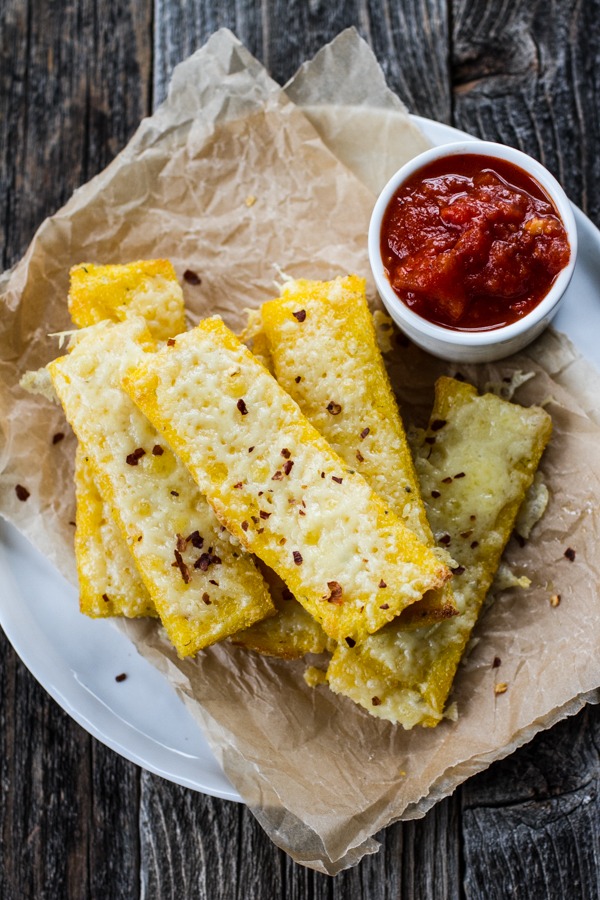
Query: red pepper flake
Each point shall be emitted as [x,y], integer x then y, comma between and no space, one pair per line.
[245,526]
[364,433]
[460,377]
[569,552]
[206,599]
[335,593]
[206,560]
[351,642]
[106,598]
[447,480]
[260,531]
[174,494]
[430,440]
[474,544]
[73,523]
[459,570]
[196,540]
[239,485]
[242,407]
[437,424]
[255,519]
[435,494]
[322,474]
[303,503]
[333,408]
[297,557]
[445,539]
[58,437]
[301,512]
[264,515]
[376,701]
[179,563]
[288,466]
[212,581]
[466,534]
[298,379]
[22,492]
[260,493]
[250,449]
[157,450]
[384,606]
[382,584]
[133,458]
[334,478]
[285,453]
[472,518]
[286,594]
[278,476]
[300,315]
[181,543]
[460,475]
[191,277]
[519,539]
[121,677]
[359,456]
[497,662]
[170,342]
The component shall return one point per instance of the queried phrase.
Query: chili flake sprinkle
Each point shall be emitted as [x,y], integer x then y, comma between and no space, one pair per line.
[359,456]
[179,564]
[298,379]
[121,677]
[22,492]
[460,475]
[242,407]
[384,606]
[106,598]
[445,539]
[351,642]
[170,342]
[364,433]
[300,315]
[264,515]
[474,544]
[277,476]
[435,494]
[245,526]
[196,540]
[191,277]
[298,557]
[206,599]
[250,449]
[239,485]
[382,584]
[285,453]
[175,493]
[288,466]
[335,593]
[459,570]
[497,662]
[334,408]
[58,437]
[376,701]
[447,480]
[133,458]
[157,450]
[335,478]
[569,552]
[181,543]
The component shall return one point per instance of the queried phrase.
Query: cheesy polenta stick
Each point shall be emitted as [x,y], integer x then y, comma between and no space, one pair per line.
[325,353]
[474,479]
[109,582]
[277,485]
[147,288]
[203,585]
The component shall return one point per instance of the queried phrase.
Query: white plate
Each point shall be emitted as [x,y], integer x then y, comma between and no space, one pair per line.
[76,659]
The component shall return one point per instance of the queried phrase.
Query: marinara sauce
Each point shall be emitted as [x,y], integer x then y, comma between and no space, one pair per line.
[472,242]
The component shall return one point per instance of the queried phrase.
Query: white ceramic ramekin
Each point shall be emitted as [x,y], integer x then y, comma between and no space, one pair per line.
[473,346]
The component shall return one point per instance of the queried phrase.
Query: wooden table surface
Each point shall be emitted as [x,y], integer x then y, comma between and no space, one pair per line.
[78,822]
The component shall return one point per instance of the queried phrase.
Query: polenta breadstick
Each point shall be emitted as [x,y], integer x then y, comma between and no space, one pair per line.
[147,288]
[474,476]
[109,582]
[203,585]
[278,486]
[324,349]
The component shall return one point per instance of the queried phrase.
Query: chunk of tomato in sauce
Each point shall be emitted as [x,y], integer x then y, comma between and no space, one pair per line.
[472,242]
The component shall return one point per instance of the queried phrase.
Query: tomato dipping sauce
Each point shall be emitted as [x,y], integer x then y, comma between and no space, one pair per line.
[472,242]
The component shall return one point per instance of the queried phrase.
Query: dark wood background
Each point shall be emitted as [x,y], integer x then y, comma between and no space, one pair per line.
[77,822]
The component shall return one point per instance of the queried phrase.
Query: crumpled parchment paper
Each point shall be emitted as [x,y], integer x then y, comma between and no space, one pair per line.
[228,177]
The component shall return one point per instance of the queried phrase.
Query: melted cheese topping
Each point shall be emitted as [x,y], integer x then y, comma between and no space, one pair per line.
[278,486]
[497,445]
[155,500]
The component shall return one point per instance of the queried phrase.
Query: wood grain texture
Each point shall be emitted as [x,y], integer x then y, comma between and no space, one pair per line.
[410,39]
[527,73]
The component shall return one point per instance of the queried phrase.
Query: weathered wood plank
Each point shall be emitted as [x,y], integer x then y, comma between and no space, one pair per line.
[532,822]
[410,39]
[528,74]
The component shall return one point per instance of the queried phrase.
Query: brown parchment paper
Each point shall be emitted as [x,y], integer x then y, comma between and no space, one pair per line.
[320,774]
